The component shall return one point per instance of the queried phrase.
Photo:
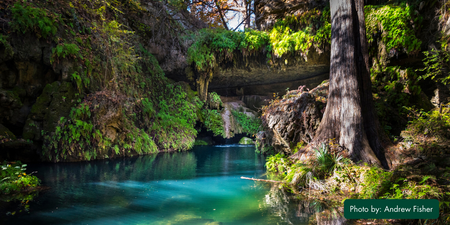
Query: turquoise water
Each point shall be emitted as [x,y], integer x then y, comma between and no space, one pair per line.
[202,186]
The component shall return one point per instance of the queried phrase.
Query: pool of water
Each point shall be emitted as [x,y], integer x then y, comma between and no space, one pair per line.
[202,186]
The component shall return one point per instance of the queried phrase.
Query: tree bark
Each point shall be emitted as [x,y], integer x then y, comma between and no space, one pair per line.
[349,117]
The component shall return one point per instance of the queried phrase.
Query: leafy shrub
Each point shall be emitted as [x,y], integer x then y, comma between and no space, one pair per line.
[374,180]
[396,88]
[278,163]
[434,123]
[289,35]
[325,161]
[33,19]
[66,50]
[8,48]
[175,120]
[213,121]
[13,178]
[214,100]
[298,33]
[250,125]
[200,142]
[435,62]
[393,22]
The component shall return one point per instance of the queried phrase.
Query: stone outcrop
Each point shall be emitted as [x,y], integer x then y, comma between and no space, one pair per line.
[55,102]
[23,76]
[267,12]
[231,125]
[255,76]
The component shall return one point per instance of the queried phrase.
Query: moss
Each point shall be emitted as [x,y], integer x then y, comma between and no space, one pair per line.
[13,95]
[28,18]
[246,141]
[32,130]
[200,142]
[55,102]
[393,22]
[250,125]
[5,132]
[9,51]
[213,121]
[293,35]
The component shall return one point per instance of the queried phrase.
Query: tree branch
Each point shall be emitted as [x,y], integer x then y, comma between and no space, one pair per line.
[270,181]
[221,15]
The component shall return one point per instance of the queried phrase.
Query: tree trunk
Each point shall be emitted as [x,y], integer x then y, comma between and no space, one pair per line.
[247,13]
[350,117]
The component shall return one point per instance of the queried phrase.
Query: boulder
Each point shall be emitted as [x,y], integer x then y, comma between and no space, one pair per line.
[441,95]
[246,141]
[55,102]
[6,133]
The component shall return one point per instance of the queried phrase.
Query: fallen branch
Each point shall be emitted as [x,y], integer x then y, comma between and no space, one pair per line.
[271,181]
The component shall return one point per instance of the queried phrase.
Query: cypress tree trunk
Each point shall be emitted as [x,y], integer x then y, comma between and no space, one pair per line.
[350,116]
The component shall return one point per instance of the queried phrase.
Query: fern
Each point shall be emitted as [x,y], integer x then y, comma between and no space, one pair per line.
[33,19]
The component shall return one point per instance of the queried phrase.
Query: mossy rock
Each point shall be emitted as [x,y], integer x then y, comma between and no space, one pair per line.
[204,141]
[246,141]
[55,102]
[5,132]
[200,142]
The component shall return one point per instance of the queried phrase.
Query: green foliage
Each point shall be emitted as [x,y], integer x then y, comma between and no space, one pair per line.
[404,188]
[250,125]
[209,44]
[290,35]
[8,48]
[254,41]
[396,88]
[435,62]
[263,148]
[72,136]
[175,120]
[200,142]
[395,23]
[79,81]
[298,174]
[148,108]
[28,18]
[213,121]
[326,163]
[298,34]
[13,178]
[65,50]
[434,123]
[214,100]
[278,163]
[375,179]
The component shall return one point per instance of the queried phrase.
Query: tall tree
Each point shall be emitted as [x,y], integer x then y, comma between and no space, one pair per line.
[350,116]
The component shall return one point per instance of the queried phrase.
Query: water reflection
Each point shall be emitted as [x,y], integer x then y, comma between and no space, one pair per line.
[202,186]
[296,210]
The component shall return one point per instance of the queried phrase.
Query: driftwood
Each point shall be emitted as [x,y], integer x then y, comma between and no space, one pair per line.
[271,181]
